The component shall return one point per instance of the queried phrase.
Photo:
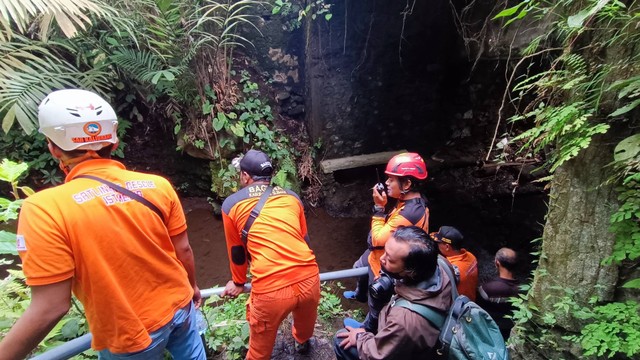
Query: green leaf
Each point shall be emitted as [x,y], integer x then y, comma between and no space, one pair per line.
[206,108]
[627,148]
[328,16]
[112,41]
[522,14]
[238,130]
[629,87]
[625,109]
[169,75]
[71,328]
[219,121]
[10,171]
[8,243]
[576,21]
[508,11]
[156,77]
[9,209]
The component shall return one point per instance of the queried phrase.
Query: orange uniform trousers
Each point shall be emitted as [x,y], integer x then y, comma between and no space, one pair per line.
[265,313]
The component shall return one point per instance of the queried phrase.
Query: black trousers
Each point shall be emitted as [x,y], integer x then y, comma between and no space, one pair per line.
[375,305]
[342,354]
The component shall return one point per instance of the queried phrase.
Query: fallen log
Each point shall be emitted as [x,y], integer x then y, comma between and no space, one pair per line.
[350,162]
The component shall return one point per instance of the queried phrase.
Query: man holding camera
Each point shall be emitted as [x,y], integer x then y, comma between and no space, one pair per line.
[411,259]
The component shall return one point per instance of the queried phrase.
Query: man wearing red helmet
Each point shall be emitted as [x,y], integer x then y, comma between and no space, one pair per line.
[405,173]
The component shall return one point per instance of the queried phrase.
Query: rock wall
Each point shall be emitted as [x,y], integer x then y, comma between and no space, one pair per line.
[379,76]
[383,76]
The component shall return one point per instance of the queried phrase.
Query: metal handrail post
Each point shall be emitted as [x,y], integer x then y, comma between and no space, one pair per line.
[83,343]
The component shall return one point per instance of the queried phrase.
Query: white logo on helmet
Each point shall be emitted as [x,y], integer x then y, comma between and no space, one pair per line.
[92,129]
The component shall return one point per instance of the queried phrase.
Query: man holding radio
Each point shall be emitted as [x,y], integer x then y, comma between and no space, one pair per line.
[405,174]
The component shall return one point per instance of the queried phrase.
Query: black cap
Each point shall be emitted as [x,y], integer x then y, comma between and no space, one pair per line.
[256,163]
[449,235]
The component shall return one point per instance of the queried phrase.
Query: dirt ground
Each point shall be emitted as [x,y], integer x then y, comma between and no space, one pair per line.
[337,243]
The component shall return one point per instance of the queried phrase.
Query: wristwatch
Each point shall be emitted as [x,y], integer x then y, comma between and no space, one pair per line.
[377,209]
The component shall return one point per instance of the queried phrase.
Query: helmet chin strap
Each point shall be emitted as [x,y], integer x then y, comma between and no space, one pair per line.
[403,191]
[66,164]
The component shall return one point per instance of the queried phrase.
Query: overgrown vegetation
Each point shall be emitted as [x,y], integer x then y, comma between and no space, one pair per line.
[251,120]
[592,84]
[11,173]
[294,11]
[15,297]
[179,72]
[228,330]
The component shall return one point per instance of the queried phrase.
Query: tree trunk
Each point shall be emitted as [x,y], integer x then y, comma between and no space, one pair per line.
[575,241]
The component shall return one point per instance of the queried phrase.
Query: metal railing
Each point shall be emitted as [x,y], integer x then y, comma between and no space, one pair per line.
[83,343]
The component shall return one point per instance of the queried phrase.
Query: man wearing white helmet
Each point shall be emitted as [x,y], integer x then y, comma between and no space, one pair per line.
[115,238]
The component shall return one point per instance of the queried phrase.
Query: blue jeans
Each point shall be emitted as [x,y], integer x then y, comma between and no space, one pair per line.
[179,336]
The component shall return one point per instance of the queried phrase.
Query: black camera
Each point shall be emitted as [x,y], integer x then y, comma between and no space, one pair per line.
[380,188]
[382,287]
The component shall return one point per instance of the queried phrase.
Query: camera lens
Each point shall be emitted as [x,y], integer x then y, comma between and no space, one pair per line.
[382,288]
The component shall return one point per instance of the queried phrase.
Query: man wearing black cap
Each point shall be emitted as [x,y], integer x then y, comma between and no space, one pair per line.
[450,242]
[285,276]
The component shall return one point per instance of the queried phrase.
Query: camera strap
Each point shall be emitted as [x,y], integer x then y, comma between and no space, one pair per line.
[254,213]
[127,192]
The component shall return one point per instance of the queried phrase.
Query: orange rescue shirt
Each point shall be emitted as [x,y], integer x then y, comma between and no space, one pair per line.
[468,266]
[117,251]
[277,242]
[406,213]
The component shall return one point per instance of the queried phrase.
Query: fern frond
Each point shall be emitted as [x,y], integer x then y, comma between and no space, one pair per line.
[227,18]
[138,64]
[15,54]
[21,92]
[69,15]
[575,63]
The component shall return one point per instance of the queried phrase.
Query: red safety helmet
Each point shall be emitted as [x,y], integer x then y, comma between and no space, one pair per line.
[407,164]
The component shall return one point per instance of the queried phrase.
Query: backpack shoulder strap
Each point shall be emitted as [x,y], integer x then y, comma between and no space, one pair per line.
[254,213]
[433,316]
[127,192]
[446,266]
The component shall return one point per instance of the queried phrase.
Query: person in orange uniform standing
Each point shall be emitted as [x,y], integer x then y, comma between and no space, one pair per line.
[285,276]
[129,263]
[405,173]
[450,242]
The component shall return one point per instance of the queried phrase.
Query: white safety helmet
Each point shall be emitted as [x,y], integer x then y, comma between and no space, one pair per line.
[78,119]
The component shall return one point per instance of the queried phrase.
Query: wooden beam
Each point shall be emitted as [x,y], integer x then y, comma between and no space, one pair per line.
[329,166]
